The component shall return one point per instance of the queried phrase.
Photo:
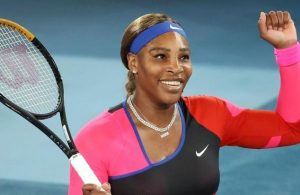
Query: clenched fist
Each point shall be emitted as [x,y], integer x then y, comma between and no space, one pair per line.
[277,28]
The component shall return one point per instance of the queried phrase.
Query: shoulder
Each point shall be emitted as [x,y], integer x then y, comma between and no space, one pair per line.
[202,101]
[209,106]
[101,129]
[203,104]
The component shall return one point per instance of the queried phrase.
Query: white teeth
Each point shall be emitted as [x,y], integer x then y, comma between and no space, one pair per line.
[172,83]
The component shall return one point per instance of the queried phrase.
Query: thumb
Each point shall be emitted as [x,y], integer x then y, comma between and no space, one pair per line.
[106,186]
[262,24]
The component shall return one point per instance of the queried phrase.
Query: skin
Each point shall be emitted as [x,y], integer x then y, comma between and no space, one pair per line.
[92,189]
[167,58]
[278,29]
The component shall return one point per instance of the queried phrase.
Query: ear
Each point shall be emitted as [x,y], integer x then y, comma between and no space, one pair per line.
[132,62]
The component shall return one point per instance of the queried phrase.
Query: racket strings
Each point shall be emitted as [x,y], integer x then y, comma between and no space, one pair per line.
[26,77]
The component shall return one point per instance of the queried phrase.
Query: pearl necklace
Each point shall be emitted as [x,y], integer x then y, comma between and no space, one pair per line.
[163,131]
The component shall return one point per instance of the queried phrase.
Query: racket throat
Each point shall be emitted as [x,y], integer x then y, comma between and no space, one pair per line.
[65,129]
[72,147]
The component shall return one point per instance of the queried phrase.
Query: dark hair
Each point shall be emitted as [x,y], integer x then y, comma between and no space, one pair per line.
[132,31]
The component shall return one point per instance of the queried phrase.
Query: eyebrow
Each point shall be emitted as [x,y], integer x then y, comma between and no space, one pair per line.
[168,50]
[159,48]
[184,49]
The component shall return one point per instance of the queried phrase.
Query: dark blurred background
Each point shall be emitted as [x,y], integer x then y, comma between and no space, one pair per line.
[229,58]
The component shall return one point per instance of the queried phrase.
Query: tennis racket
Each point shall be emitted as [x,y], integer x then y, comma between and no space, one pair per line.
[31,85]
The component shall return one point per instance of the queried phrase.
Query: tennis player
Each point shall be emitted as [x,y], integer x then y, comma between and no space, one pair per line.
[162,143]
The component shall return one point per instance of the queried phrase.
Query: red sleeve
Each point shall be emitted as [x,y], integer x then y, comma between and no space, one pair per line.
[242,127]
[256,128]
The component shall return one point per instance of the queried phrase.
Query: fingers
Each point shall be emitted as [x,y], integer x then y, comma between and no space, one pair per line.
[277,20]
[92,189]
[88,188]
[286,19]
[274,20]
[269,22]
[280,20]
[106,187]
[262,23]
[278,29]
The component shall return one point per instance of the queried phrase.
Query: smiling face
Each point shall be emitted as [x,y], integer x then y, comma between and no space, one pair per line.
[163,68]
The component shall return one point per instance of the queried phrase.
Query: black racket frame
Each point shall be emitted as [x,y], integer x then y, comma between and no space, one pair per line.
[34,118]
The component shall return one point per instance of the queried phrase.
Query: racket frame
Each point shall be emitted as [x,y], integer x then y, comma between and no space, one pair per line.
[34,118]
[76,159]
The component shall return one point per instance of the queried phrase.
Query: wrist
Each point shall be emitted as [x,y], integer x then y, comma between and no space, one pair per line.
[285,44]
[288,56]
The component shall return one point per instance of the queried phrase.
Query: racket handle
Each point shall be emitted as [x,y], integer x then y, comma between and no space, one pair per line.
[84,170]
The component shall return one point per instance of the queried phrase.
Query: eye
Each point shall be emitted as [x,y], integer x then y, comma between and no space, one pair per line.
[160,56]
[185,58]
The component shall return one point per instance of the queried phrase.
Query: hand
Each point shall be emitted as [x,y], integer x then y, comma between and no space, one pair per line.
[278,29]
[92,189]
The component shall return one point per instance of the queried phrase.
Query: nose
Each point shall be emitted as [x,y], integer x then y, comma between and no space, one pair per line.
[175,66]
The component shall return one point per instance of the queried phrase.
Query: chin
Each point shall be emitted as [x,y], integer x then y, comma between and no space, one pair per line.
[172,98]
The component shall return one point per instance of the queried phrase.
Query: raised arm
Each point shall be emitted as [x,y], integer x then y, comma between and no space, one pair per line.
[266,129]
[278,29]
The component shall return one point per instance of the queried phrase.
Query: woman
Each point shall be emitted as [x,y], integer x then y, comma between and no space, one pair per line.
[158,142]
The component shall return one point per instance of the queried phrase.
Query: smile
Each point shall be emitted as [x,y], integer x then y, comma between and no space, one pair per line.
[172,84]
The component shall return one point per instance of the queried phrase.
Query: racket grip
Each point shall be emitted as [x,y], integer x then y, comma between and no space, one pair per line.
[84,170]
